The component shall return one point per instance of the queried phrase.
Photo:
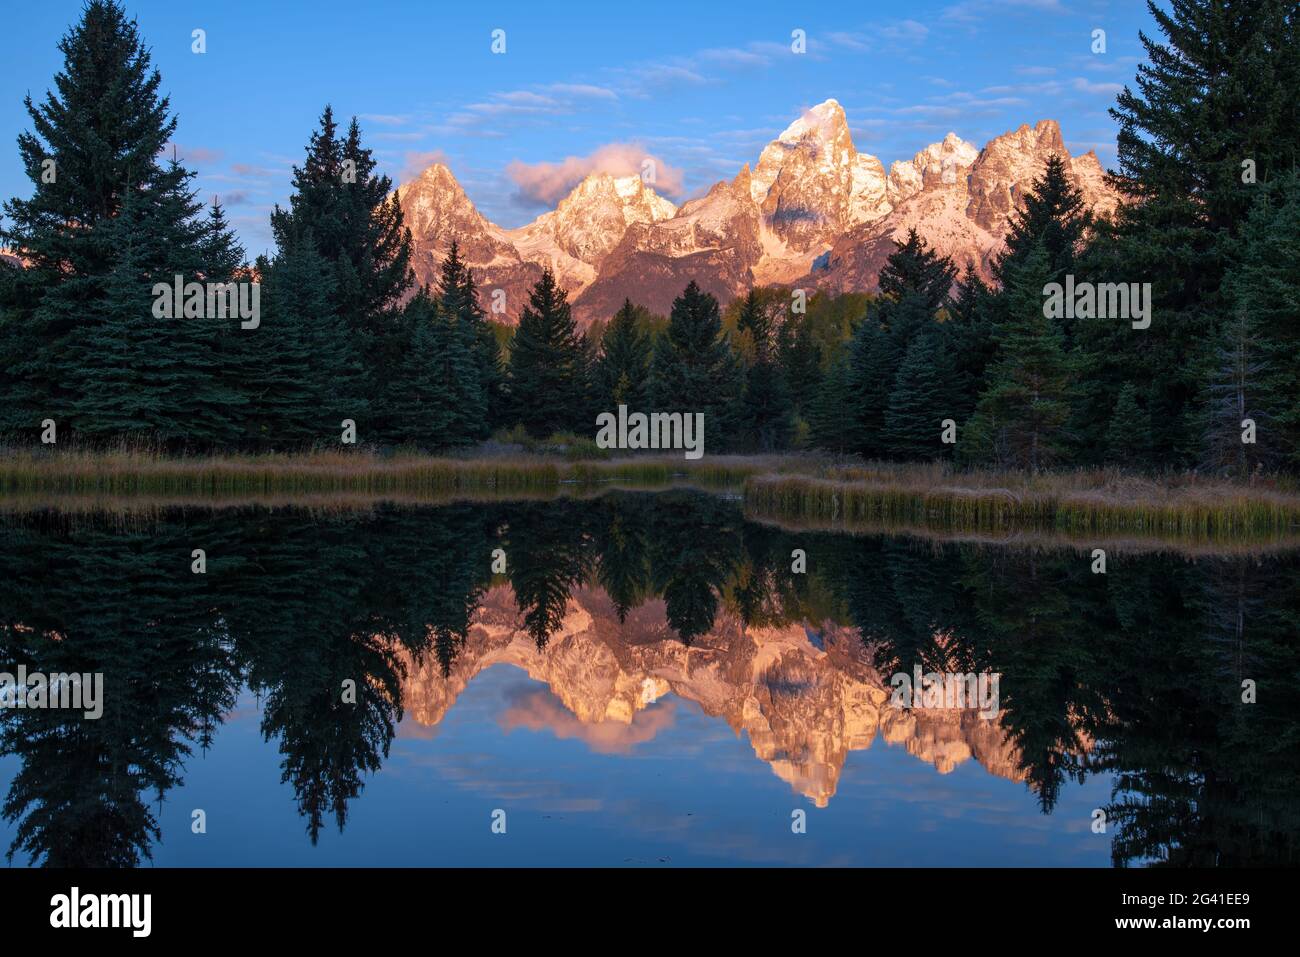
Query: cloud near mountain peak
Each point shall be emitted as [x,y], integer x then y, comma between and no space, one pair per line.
[548,183]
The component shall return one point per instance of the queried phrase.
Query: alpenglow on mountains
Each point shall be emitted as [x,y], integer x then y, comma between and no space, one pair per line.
[812,213]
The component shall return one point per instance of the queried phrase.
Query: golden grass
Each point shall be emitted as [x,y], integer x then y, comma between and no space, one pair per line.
[1086,502]
[33,475]
[803,490]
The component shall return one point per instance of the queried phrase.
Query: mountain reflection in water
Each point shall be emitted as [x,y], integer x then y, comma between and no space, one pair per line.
[644,623]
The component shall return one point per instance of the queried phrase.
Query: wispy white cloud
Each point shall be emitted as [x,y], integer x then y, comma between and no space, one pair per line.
[547,183]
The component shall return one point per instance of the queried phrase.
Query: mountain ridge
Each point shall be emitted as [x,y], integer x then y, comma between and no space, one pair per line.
[813,212]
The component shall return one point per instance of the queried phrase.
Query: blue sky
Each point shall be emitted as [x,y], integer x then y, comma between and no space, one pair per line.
[702,87]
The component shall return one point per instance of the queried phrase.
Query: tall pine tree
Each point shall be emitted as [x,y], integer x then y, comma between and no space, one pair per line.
[624,364]
[694,368]
[548,365]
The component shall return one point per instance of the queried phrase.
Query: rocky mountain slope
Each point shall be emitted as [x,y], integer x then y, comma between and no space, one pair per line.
[813,212]
[803,699]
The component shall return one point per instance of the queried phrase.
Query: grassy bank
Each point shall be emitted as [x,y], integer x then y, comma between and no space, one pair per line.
[1092,503]
[32,476]
[805,491]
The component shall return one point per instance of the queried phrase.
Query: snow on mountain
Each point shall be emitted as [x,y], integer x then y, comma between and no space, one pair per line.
[813,211]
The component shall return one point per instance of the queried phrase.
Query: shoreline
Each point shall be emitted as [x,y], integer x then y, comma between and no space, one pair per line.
[807,491]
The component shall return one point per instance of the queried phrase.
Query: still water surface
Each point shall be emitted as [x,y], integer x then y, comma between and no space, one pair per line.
[647,683]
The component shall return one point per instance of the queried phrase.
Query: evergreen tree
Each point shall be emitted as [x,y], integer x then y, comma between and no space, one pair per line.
[548,374]
[438,401]
[1264,285]
[355,221]
[1026,403]
[766,419]
[800,359]
[1213,116]
[832,429]
[970,330]
[306,375]
[922,397]
[915,281]
[914,268]
[875,354]
[93,142]
[458,294]
[1234,399]
[766,416]
[694,369]
[1128,437]
[1053,216]
[623,367]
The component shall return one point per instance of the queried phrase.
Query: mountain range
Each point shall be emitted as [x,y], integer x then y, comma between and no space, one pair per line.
[804,697]
[812,213]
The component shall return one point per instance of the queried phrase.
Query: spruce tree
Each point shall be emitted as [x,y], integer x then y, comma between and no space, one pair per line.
[1128,436]
[800,359]
[1053,215]
[548,374]
[1212,117]
[306,374]
[832,428]
[921,398]
[1026,401]
[458,295]
[624,364]
[970,329]
[1235,397]
[355,222]
[1263,284]
[695,370]
[94,139]
[438,401]
[766,419]
[914,268]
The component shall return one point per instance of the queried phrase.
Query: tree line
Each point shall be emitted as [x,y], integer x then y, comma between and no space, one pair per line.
[939,366]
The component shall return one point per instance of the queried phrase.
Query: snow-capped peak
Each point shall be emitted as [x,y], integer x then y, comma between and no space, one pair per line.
[825,121]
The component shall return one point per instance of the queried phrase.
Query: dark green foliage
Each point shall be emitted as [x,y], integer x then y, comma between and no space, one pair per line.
[437,400]
[766,419]
[1018,420]
[766,416]
[914,268]
[1263,288]
[695,370]
[357,228]
[833,429]
[1054,216]
[356,225]
[800,359]
[1218,91]
[915,281]
[1235,400]
[921,399]
[307,378]
[98,138]
[623,368]
[458,296]
[970,330]
[1128,437]
[548,365]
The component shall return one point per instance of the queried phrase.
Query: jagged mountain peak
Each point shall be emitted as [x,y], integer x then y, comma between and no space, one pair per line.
[811,197]
[826,122]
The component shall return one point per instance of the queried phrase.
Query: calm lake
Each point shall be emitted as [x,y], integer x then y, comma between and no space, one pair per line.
[639,679]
